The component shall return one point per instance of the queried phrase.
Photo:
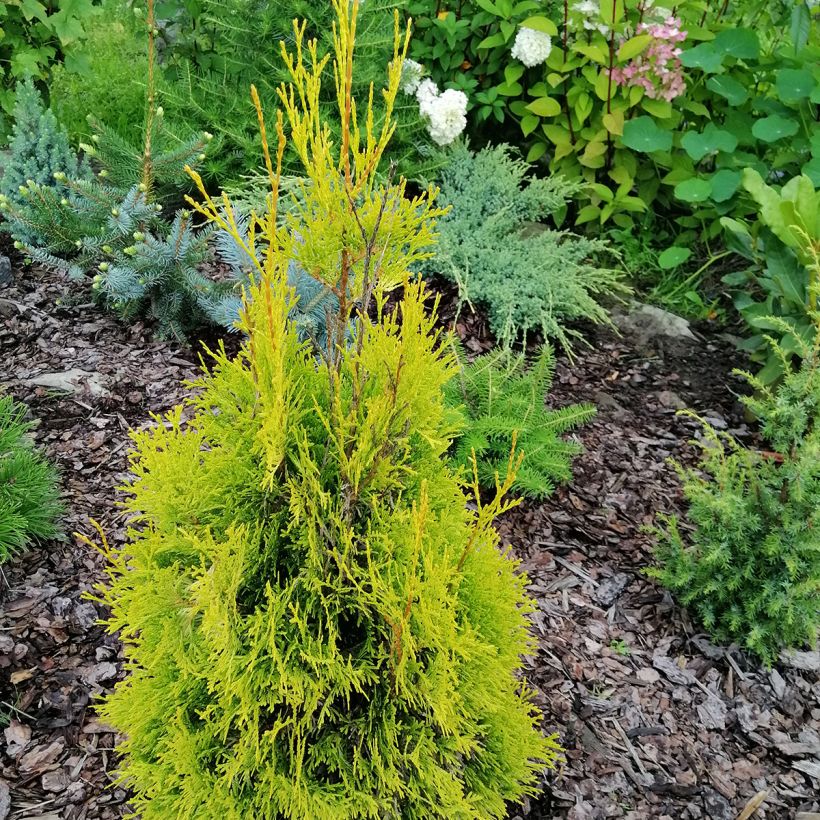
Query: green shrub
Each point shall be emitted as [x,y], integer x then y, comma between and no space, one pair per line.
[503,404]
[109,84]
[210,66]
[29,497]
[750,568]
[492,244]
[316,624]
[35,35]
[39,149]
[783,279]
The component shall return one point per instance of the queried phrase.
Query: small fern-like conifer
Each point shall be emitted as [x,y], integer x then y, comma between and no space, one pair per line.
[503,403]
[750,568]
[317,625]
[29,496]
[492,245]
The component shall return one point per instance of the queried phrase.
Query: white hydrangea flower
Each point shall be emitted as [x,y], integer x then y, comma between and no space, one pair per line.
[446,112]
[426,93]
[589,8]
[531,47]
[411,74]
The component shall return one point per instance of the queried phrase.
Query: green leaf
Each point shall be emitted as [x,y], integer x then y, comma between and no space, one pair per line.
[612,11]
[633,47]
[794,85]
[542,24]
[528,124]
[729,88]
[724,184]
[712,140]
[704,57]
[775,127]
[800,26]
[812,170]
[642,134]
[693,190]
[674,256]
[741,43]
[536,151]
[545,107]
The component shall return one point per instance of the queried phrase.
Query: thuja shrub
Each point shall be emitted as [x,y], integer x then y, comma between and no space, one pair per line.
[29,495]
[750,568]
[317,625]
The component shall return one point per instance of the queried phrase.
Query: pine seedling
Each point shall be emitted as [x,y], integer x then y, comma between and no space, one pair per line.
[29,496]
[501,398]
[317,625]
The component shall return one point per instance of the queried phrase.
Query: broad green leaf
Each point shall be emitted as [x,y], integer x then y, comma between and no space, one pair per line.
[587,214]
[659,109]
[545,107]
[704,57]
[794,85]
[693,190]
[674,256]
[724,184]
[528,124]
[614,122]
[800,26]
[612,11]
[536,151]
[741,43]
[775,127]
[812,170]
[593,52]
[729,88]
[712,140]
[642,134]
[542,24]
[633,47]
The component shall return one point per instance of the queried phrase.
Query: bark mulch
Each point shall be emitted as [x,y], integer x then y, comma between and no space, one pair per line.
[657,722]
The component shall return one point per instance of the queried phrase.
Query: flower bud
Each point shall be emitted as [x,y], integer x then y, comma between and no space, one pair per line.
[138,236]
[78,244]
[95,138]
[31,184]
[18,246]
[130,250]
[115,212]
[103,266]
[142,187]
[160,110]
[23,190]
[208,136]
[107,249]
[103,174]
[201,157]
[64,202]
[158,207]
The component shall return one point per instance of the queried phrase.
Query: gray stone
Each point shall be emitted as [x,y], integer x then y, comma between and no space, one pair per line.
[74,381]
[5,270]
[671,400]
[648,323]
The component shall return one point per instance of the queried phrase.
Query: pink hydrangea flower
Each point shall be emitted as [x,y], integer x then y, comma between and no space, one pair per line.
[658,70]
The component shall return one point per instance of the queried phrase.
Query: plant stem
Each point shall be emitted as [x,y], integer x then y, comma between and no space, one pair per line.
[150,114]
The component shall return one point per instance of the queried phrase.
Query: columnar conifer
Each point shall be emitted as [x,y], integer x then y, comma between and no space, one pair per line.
[317,624]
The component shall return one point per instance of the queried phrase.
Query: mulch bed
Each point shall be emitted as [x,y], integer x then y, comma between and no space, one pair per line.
[656,721]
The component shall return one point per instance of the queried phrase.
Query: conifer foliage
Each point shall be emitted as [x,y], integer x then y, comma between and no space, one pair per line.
[29,496]
[494,246]
[317,625]
[503,404]
[39,149]
[751,566]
